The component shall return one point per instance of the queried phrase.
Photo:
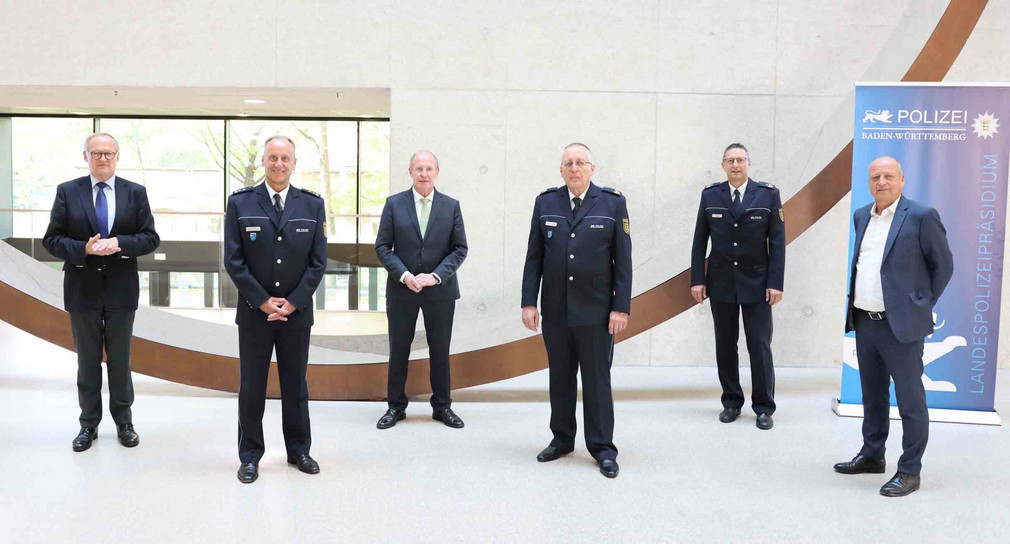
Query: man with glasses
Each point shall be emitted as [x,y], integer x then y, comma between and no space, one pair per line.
[579,250]
[275,253]
[99,225]
[745,222]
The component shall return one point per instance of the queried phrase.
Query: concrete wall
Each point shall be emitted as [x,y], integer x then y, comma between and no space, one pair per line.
[496,89]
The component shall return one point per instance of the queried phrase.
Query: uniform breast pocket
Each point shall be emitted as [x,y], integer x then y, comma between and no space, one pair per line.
[756,215]
[550,227]
[600,227]
[301,231]
[252,229]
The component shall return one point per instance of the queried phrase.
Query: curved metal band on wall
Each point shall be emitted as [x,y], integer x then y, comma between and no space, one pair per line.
[368,381]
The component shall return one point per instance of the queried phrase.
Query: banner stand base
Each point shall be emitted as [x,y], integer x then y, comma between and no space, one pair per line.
[974,417]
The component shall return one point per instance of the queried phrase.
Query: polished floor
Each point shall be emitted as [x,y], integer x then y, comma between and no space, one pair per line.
[685,477]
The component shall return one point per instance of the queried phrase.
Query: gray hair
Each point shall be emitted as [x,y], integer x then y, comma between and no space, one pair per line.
[589,152]
[279,137]
[416,153]
[97,134]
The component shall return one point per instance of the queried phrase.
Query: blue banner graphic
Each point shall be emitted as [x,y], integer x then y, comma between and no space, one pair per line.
[953,143]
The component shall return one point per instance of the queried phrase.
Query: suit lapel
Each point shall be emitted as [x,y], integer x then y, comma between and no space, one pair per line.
[862,220]
[727,199]
[263,197]
[408,203]
[588,201]
[892,233]
[121,202]
[436,209]
[85,191]
[749,196]
[289,205]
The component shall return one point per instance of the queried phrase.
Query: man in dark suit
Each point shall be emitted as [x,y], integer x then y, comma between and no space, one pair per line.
[421,242]
[746,267]
[580,251]
[275,253]
[99,225]
[900,266]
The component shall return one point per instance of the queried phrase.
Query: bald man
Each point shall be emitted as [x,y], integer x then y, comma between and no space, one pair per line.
[421,243]
[900,266]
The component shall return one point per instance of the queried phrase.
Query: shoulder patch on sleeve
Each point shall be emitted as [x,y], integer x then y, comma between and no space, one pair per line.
[612,191]
[243,190]
[551,190]
[313,193]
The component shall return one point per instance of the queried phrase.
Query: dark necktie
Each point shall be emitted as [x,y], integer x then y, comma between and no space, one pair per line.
[578,202]
[277,206]
[102,210]
[736,201]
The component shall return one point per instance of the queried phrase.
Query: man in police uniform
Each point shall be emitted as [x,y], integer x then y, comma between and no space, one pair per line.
[744,219]
[580,247]
[275,252]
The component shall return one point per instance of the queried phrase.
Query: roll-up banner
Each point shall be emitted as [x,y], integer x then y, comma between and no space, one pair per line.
[953,143]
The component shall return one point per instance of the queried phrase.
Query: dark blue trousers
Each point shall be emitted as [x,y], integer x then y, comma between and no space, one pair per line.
[757,324]
[882,357]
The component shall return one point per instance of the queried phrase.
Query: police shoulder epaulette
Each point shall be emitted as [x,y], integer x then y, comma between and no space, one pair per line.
[313,193]
[551,190]
[612,191]
[243,190]
[716,184]
[765,184]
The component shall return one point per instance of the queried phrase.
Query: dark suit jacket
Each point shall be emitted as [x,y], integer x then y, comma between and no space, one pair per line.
[270,257]
[583,259]
[748,249]
[916,267]
[85,277]
[400,248]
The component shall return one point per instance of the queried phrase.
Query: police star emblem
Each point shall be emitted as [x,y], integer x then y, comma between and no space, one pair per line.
[627,226]
[252,236]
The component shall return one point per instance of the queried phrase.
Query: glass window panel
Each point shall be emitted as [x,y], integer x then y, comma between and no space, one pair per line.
[45,152]
[336,291]
[374,171]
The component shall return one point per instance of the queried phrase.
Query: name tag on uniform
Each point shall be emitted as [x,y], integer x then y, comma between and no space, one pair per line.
[252,229]
[755,217]
[301,230]
[716,216]
[551,223]
[597,227]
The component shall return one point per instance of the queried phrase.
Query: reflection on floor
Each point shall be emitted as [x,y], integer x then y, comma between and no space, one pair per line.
[684,476]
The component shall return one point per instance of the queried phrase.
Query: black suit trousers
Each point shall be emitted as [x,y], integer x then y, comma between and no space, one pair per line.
[591,348]
[256,344]
[402,317]
[110,330]
[757,324]
[881,357]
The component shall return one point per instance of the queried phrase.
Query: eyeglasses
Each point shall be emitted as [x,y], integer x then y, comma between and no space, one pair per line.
[578,163]
[108,155]
[735,160]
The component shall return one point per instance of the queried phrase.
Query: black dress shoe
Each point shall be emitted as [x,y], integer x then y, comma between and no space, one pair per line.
[447,416]
[764,422]
[552,453]
[609,468]
[127,436]
[247,473]
[861,464]
[390,418]
[85,438]
[729,415]
[900,485]
[305,463]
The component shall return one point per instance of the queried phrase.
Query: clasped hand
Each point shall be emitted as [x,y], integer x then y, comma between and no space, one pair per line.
[277,309]
[96,246]
[420,281]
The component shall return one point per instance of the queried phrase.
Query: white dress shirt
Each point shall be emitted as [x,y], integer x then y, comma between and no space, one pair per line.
[417,209]
[742,189]
[572,196]
[110,197]
[284,194]
[869,294]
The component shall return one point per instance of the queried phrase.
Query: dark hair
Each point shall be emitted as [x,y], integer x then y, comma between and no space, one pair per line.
[736,145]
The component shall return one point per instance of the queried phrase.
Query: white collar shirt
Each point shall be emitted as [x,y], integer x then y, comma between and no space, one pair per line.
[283,193]
[572,196]
[110,196]
[742,189]
[869,295]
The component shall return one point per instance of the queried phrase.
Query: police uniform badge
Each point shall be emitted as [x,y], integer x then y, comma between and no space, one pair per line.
[252,236]
[627,226]
[782,215]
[550,233]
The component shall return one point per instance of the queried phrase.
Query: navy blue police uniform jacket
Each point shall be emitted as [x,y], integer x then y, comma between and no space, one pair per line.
[270,257]
[748,248]
[582,259]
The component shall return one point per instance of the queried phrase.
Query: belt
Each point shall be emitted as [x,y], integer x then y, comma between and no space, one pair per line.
[874,316]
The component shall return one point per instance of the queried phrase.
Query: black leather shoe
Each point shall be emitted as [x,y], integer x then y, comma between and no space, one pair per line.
[861,464]
[900,485]
[552,453]
[85,438]
[764,422]
[729,415]
[305,463]
[447,416]
[609,468]
[127,436]
[390,418]
[247,473]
